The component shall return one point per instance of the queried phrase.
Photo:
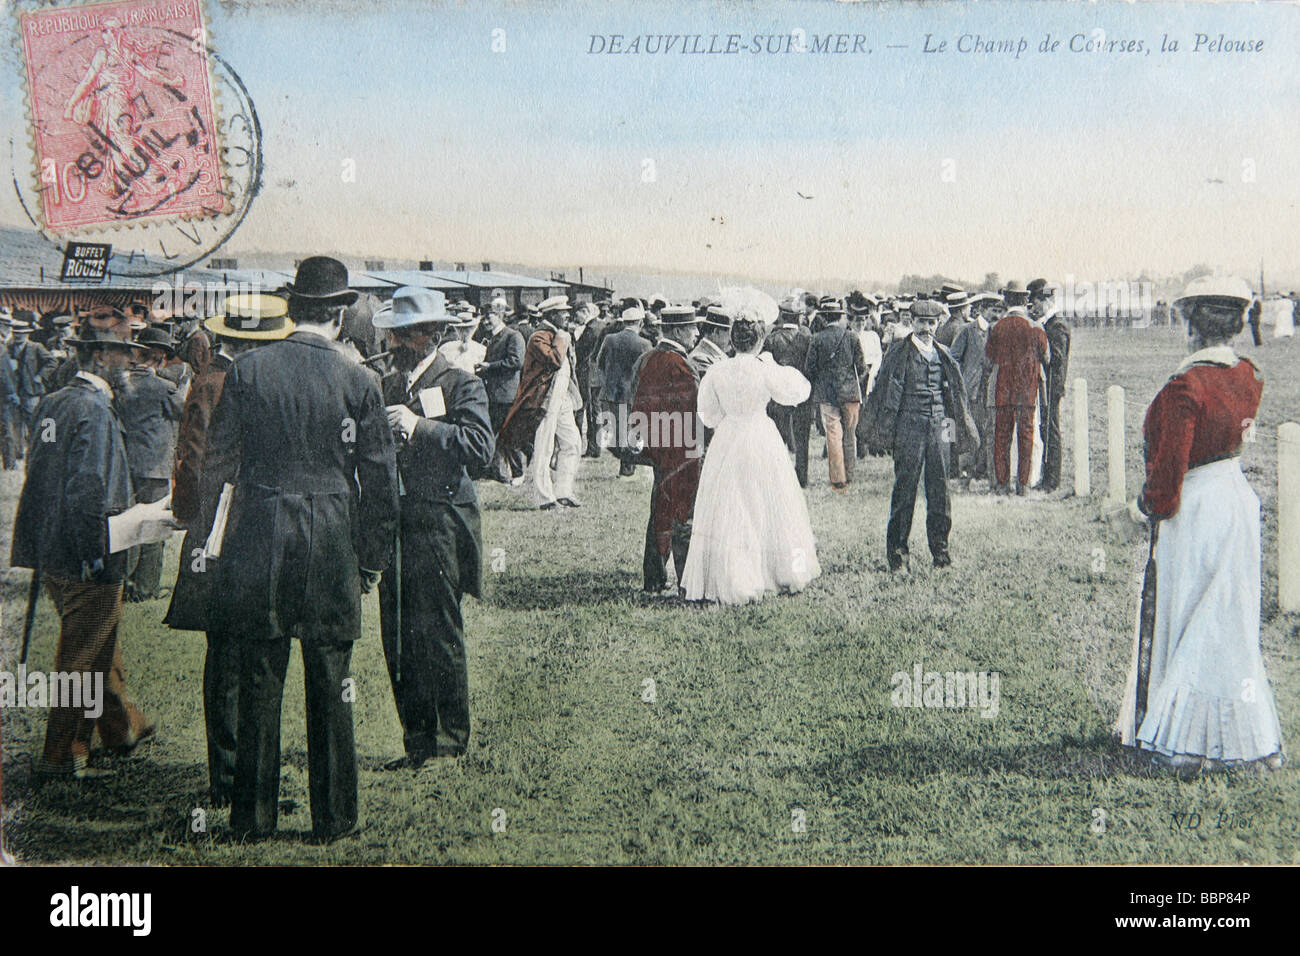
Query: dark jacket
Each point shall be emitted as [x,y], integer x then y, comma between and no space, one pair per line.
[150,407]
[968,352]
[33,367]
[789,345]
[302,433]
[887,398]
[74,482]
[503,359]
[618,360]
[1058,342]
[835,365]
[440,512]
[585,349]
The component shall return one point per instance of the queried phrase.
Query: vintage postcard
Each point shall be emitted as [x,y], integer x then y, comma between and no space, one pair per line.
[652,433]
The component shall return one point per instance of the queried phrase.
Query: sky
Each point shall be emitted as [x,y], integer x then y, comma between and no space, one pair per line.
[1092,165]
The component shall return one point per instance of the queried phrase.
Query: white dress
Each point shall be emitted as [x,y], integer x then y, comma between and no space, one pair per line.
[751,532]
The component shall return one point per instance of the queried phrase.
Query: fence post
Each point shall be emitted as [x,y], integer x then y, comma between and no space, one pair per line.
[1288,516]
[1082,467]
[1115,446]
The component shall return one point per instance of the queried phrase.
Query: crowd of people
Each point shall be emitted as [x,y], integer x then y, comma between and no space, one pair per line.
[309,464]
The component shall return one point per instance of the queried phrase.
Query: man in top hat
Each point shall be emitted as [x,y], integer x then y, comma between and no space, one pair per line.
[1043,309]
[1017,351]
[460,350]
[835,367]
[503,357]
[439,414]
[149,407]
[541,420]
[302,433]
[958,318]
[715,340]
[589,378]
[788,344]
[77,476]
[918,410]
[33,366]
[666,394]
[247,321]
[618,359]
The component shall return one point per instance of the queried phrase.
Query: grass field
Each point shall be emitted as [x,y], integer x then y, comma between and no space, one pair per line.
[762,717]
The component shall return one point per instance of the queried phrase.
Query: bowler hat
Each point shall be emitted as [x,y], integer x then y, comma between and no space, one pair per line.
[413,306]
[1016,287]
[321,279]
[155,337]
[255,315]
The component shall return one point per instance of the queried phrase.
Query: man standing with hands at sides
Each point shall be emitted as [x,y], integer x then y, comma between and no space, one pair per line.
[302,433]
[788,344]
[440,420]
[1017,350]
[33,368]
[499,370]
[77,476]
[835,367]
[541,422]
[618,359]
[918,410]
[666,392]
[1043,304]
[593,333]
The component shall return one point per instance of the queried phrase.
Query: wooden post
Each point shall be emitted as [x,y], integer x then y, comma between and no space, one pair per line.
[1082,470]
[1115,446]
[1288,517]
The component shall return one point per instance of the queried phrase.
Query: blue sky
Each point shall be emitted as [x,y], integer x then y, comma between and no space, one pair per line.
[1090,164]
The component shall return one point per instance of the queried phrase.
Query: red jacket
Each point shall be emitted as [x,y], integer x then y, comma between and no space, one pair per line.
[666,394]
[1199,416]
[1019,350]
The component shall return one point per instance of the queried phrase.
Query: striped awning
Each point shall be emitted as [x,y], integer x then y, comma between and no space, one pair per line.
[64,301]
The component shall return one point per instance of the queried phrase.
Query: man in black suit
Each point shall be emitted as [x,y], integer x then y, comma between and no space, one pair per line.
[1042,298]
[585,350]
[617,361]
[78,476]
[150,407]
[835,366]
[499,371]
[439,415]
[33,368]
[310,530]
[789,343]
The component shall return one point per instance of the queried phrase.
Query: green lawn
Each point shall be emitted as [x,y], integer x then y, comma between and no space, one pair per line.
[762,716]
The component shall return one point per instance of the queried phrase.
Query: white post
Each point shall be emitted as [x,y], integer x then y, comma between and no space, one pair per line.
[1082,470]
[1115,446]
[1288,516]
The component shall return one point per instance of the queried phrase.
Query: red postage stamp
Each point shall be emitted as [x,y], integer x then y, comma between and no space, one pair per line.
[123,121]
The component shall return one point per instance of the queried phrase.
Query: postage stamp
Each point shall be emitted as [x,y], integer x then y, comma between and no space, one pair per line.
[124,125]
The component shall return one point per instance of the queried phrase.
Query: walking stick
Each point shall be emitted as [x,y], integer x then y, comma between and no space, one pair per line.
[33,595]
[1146,633]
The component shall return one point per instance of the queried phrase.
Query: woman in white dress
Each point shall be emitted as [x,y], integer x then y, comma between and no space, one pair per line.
[750,532]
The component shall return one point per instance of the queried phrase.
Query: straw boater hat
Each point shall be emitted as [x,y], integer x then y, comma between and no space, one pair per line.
[677,315]
[556,303]
[256,316]
[956,300]
[412,306]
[717,317]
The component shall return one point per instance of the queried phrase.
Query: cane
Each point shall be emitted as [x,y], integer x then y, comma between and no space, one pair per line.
[1146,633]
[33,596]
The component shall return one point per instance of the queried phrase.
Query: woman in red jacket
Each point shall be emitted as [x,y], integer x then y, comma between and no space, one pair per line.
[1207,700]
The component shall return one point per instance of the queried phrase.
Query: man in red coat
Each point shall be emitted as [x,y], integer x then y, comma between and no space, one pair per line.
[1018,350]
[663,417]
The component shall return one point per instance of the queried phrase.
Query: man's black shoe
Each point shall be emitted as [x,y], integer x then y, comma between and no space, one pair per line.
[569,503]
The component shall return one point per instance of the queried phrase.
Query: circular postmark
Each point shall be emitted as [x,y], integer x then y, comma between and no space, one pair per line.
[164,169]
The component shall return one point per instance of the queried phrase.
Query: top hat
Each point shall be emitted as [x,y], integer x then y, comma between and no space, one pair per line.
[674,315]
[256,315]
[321,279]
[413,306]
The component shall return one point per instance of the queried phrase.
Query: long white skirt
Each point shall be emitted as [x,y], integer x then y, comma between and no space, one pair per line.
[1208,694]
[750,533]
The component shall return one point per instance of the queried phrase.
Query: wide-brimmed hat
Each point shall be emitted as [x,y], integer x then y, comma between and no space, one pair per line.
[321,279]
[155,337]
[104,337]
[413,306]
[1229,291]
[672,315]
[255,315]
[19,325]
